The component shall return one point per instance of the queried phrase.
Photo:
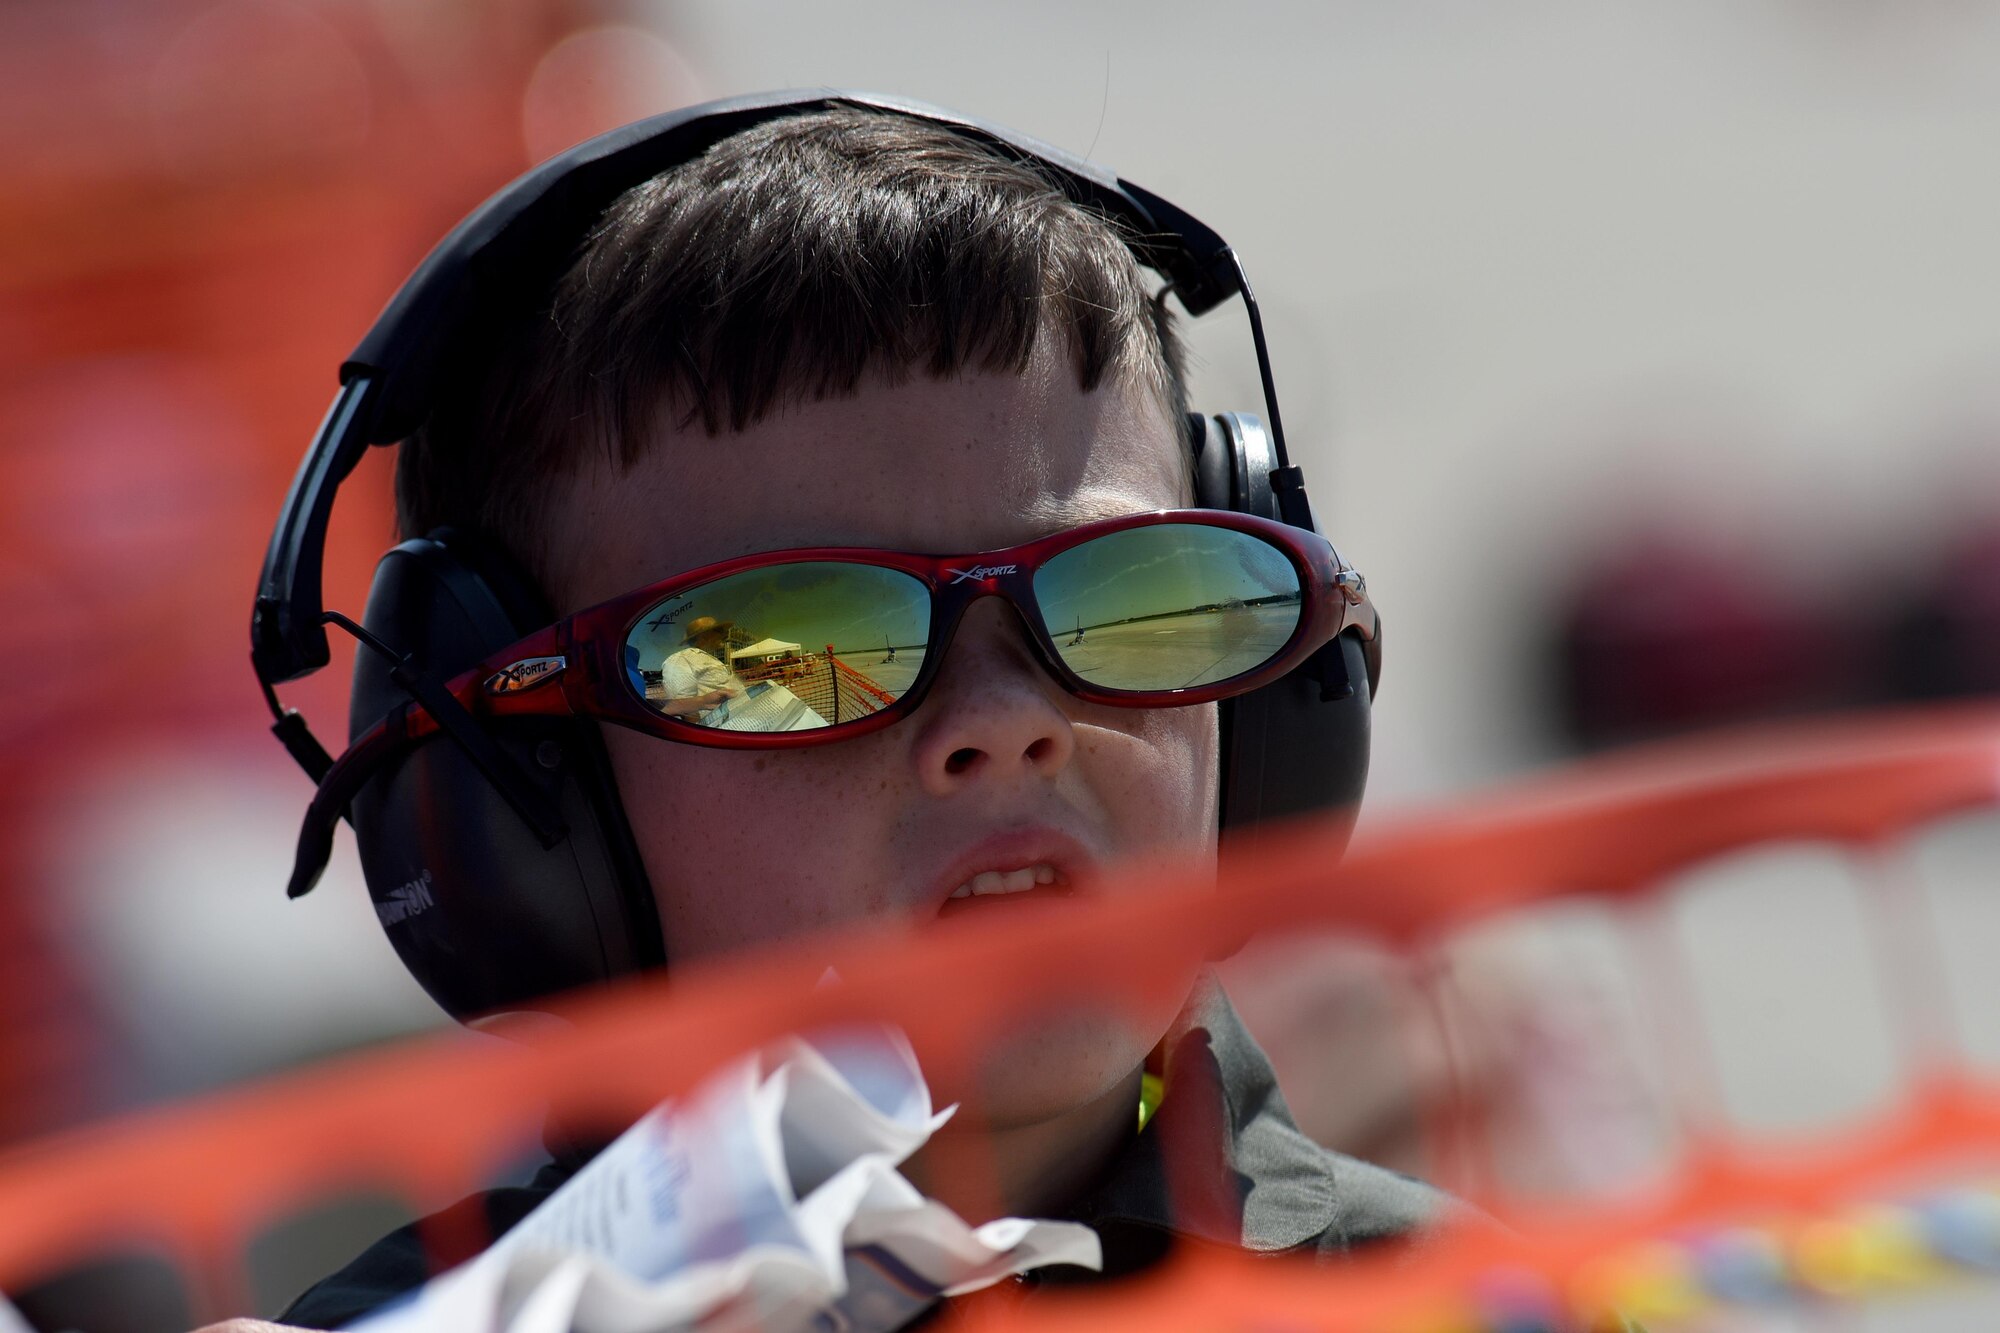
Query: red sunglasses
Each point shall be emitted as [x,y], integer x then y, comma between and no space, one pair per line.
[810,646]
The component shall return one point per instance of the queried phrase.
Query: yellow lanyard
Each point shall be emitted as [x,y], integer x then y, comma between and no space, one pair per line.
[1150,1092]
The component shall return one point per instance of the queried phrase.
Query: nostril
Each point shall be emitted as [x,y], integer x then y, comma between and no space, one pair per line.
[961,761]
[1040,750]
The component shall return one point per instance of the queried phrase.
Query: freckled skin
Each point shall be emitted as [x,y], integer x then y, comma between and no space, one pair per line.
[807,839]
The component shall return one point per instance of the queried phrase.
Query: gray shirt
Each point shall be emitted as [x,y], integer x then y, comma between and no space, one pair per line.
[1246,1175]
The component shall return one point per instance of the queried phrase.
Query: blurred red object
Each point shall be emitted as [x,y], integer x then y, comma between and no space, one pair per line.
[1948,642]
[201,208]
[1666,634]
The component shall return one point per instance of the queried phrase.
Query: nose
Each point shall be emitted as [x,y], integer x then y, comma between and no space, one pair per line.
[994,716]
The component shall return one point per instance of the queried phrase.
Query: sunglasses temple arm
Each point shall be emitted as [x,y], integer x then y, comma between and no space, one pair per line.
[385,740]
[519,790]
[432,710]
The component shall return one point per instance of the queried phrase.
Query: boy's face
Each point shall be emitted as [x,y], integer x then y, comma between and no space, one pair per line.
[999,770]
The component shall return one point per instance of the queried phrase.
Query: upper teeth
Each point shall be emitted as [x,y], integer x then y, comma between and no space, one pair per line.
[1006,881]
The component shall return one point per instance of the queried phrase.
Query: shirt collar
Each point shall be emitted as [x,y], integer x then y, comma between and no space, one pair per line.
[1221,1160]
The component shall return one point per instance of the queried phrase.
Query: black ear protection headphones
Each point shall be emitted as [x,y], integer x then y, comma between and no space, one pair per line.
[498,856]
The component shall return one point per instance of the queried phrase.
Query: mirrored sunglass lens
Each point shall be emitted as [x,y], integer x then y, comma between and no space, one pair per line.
[1169,606]
[785,648]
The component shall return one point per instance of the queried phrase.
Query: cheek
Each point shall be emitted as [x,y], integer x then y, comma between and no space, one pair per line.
[1156,773]
[744,848]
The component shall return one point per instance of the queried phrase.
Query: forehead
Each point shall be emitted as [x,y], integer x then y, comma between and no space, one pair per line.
[947,466]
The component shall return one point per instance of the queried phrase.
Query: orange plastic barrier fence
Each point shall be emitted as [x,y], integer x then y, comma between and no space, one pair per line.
[433,1118]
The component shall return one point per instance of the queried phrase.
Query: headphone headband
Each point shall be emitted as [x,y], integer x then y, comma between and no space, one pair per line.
[519,240]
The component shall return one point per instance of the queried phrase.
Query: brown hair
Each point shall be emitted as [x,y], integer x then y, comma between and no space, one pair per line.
[781,266]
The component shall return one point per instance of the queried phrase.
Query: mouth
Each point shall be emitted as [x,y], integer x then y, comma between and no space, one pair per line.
[1016,867]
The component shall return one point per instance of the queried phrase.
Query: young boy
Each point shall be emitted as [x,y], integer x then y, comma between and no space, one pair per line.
[853,328]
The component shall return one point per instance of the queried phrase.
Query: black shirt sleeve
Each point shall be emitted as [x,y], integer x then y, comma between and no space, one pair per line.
[400,1262]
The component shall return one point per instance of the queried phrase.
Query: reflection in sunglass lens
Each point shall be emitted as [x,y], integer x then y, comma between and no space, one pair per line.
[784,648]
[1169,606]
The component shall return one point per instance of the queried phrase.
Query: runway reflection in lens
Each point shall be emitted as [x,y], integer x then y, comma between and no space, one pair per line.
[1169,606]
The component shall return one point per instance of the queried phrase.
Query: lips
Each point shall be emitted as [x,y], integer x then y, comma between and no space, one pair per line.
[1012,865]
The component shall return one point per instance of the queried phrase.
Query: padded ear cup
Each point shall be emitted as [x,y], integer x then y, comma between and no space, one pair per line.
[1286,751]
[483,915]
[1300,744]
